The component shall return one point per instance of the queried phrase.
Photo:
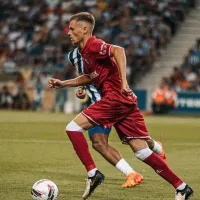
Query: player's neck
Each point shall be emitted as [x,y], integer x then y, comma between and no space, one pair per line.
[83,43]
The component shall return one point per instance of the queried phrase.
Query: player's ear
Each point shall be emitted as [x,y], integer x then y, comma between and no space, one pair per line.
[85,29]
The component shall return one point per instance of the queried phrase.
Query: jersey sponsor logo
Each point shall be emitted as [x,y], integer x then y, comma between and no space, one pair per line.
[93,75]
[103,49]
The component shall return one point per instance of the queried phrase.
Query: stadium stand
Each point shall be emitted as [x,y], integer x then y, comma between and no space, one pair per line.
[34,45]
[186,77]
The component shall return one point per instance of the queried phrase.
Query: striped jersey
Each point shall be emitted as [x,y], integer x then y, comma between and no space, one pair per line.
[76,61]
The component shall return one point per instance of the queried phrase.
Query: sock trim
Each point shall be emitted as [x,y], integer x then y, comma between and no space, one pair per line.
[90,167]
[73,126]
[124,167]
[178,184]
[92,172]
[143,153]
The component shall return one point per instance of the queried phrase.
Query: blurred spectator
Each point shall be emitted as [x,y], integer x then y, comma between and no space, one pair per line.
[175,75]
[182,84]
[12,88]
[171,99]
[185,62]
[38,95]
[21,100]
[163,99]
[193,59]
[159,105]
[60,95]
[6,99]
[189,74]
[40,81]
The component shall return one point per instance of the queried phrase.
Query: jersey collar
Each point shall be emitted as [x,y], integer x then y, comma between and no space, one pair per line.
[88,43]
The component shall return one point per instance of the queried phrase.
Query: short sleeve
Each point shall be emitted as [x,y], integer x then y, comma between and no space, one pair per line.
[100,49]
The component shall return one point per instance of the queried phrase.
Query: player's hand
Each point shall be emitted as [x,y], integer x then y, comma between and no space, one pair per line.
[126,90]
[55,83]
[81,93]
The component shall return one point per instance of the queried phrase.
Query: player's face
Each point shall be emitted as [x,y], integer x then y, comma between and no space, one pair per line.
[76,32]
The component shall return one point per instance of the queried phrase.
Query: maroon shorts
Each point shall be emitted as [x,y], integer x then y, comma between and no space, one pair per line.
[126,118]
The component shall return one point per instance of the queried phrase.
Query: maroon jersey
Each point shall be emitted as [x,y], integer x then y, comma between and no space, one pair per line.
[103,70]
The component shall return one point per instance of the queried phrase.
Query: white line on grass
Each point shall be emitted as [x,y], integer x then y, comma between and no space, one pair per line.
[35,141]
[68,142]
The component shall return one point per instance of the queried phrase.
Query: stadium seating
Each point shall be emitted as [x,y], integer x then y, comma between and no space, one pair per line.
[186,77]
[33,35]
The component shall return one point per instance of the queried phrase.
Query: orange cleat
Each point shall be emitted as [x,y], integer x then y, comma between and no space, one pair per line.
[162,154]
[132,180]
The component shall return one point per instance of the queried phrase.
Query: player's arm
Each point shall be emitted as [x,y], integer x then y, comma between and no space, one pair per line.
[119,55]
[79,81]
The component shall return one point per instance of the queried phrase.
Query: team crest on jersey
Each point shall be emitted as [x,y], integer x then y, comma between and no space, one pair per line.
[93,75]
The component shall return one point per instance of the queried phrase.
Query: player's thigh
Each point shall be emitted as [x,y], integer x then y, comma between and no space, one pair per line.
[106,112]
[132,127]
[137,144]
[83,122]
[99,134]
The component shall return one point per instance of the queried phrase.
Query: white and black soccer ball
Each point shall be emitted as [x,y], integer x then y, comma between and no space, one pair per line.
[44,189]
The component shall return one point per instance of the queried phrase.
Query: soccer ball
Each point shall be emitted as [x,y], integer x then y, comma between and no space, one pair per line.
[44,189]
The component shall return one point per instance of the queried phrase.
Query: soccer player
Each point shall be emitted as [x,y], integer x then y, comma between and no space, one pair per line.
[99,135]
[118,106]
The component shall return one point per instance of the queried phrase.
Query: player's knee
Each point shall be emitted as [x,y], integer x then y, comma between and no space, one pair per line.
[143,153]
[150,143]
[99,145]
[72,126]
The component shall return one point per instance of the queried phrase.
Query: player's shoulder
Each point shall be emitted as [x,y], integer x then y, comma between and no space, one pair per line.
[95,44]
[96,40]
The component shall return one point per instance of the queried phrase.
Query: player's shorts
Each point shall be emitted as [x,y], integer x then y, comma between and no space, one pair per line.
[126,118]
[99,129]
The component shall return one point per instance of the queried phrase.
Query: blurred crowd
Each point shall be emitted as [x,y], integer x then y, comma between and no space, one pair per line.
[19,100]
[184,78]
[34,43]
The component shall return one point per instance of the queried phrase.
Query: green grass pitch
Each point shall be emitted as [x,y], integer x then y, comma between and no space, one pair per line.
[34,146]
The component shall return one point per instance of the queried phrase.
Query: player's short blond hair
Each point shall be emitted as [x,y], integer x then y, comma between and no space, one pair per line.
[84,16]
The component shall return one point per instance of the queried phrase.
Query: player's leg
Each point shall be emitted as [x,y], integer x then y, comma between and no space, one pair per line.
[99,137]
[107,113]
[132,130]
[142,152]
[75,131]
[157,148]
